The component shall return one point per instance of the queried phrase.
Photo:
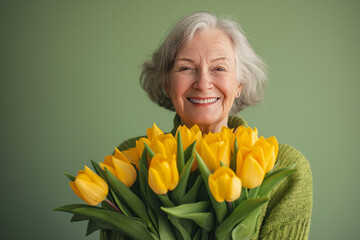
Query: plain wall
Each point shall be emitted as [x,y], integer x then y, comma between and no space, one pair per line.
[69,93]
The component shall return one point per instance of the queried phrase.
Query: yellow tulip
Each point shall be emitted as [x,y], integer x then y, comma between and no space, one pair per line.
[153,132]
[188,136]
[133,156]
[214,150]
[253,163]
[90,187]
[246,137]
[164,144]
[120,167]
[227,133]
[224,185]
[163,174]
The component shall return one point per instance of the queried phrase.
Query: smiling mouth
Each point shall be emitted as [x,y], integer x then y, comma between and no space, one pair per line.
[202,100]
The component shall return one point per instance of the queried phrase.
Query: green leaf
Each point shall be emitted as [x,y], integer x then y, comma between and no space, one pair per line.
[92,227]
[165,230]
[122,206]
[191,195]
[149,150]
[197,235]
[273,180]
[108,219]
[143,174]
[182,231]
[220,208]
[195,212]
[189,151]
[245,208]
[127,196]
[165,201]
[180,153]
[248,227]
[273,171]
[234,156]
[72,178]
[78,218]
[179,192]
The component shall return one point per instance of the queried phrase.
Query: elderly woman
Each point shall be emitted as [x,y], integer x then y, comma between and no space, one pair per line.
[205,70]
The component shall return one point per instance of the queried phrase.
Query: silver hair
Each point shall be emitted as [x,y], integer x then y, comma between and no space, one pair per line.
[251,70]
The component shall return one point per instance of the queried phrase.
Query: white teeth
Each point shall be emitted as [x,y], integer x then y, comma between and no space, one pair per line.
[202,101]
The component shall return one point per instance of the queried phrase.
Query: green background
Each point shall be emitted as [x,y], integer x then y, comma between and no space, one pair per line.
[69,93]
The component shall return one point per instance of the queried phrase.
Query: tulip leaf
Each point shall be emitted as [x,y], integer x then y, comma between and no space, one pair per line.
[191,195]
[128,197]
[233,156]
[112,220]
[179,192]
[273,180]
[273,171]
[180,153]
[246,228]
[92,227]
[189,151]
[143,174]
[121,205]
[72,178]
[149,150]
[220,208]
[197,235]
[195,212]
[78,218]
[165,201]
[182,231]
[245,208]
[165,230]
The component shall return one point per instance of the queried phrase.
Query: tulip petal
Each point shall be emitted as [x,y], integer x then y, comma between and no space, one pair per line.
[252,174]
[209,157]
[155,182]
[96,179]
[234,189]
[91,193]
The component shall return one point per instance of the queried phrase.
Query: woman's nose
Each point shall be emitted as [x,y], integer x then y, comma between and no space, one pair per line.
[203,80]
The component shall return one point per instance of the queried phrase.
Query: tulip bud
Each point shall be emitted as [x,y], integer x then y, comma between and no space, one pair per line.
[90,187]
[246,137]
[120,167]
[163,174]
[214,150]
[188,136]
[153,132]
[253,163]
[224,185]
[164,144]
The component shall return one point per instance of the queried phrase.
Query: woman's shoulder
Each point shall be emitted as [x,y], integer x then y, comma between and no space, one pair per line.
[290,204]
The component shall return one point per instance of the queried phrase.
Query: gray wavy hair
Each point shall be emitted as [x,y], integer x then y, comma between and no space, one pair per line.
[251,70]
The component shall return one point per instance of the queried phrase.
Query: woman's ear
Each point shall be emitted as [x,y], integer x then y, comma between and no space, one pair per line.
[238,91]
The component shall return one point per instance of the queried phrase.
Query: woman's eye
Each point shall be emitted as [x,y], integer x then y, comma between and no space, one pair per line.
[220,69]
[184,69]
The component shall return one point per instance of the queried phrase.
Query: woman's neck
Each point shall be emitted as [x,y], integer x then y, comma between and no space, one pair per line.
[206,128]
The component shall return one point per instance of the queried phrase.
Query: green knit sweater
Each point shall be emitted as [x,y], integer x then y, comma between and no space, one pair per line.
[287,214]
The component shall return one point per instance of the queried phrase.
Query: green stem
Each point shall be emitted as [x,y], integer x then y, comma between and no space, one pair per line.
[230,206]
[112,205]
[246,193]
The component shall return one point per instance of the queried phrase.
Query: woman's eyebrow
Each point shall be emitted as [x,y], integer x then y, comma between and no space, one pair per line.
[184,59]
[219,59]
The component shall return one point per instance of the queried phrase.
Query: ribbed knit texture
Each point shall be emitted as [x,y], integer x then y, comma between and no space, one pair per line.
[288,212]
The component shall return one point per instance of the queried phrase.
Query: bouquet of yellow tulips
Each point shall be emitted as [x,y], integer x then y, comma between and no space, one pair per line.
[186,186]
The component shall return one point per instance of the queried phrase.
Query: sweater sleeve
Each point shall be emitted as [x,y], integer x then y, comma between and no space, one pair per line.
[289,209]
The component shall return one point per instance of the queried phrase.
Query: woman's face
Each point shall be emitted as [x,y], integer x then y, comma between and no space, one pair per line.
[203,81]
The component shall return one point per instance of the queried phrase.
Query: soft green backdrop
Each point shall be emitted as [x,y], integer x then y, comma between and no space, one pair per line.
[69,93]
